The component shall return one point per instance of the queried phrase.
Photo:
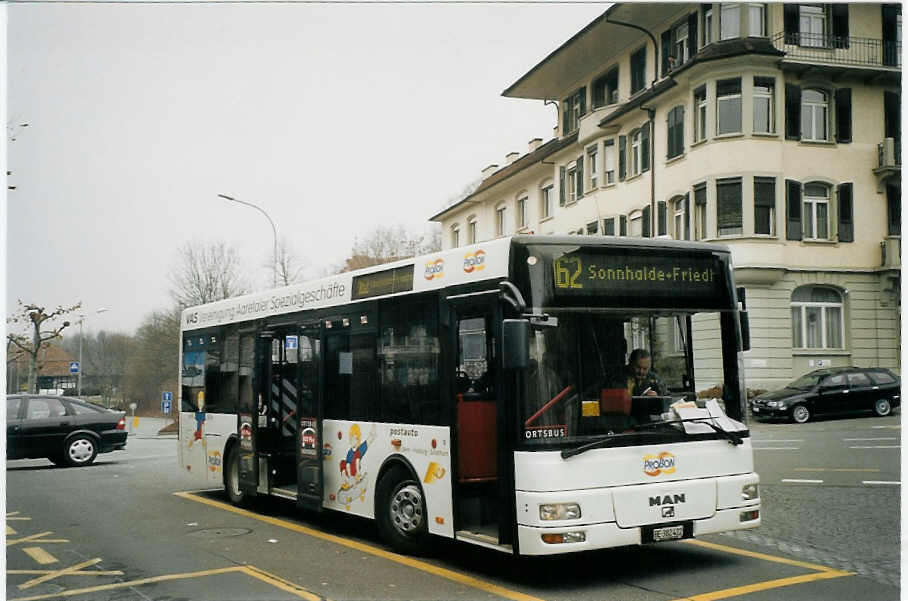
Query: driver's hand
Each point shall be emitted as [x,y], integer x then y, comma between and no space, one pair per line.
[652,392]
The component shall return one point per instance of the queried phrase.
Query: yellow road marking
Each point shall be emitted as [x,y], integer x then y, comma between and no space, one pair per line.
[35,537]
[51,575]
[763,586]
[457,577]
[837,469]
[76,573]
[763,556]
[12,516]
[10,531]
[248,570]
[40,555]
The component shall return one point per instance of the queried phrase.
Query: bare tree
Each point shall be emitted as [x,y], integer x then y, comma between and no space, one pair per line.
[153,364]
[386,244]
[31,319]
[290,265]
[206,272]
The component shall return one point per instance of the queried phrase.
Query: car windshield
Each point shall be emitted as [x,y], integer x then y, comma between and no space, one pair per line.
[807,381]
[601,372]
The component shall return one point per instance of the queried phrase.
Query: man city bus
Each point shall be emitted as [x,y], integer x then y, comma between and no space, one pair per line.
[487,394]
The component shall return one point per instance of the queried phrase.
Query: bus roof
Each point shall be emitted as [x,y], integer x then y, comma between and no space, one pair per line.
[462,265]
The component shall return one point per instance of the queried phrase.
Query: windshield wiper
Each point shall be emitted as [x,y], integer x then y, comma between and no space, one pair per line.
[732,437]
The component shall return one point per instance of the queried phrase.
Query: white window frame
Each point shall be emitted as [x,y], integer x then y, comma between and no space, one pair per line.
[455,235]
[592,156]
[812,25]
[681,47]
[728,98]
[816,110]
[770,99]
[636,159]
[522,215]
[802,306]
[811,229]
[729,21]
[678,218]
[635,224]
[756,20]
[701,110]
[571,181]
[708,26]
[472,233]
[547,200]
[610,155]
[501,220]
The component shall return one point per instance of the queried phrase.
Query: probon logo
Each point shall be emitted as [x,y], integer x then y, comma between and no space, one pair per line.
[663,463]
[435,269]
[474,261]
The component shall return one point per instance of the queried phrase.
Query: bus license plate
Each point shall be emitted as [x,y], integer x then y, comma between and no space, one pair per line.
[668,533]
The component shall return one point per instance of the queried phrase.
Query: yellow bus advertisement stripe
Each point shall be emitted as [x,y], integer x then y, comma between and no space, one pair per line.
[401,559]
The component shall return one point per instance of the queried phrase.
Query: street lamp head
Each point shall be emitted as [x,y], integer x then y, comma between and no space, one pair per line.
[102,310]
[225,197]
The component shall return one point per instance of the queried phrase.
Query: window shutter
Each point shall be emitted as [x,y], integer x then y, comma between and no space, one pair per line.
[840,25]
[646,222]
[579,177]
[894,208]
[644,148]
[793,209]
[692,38]
[679,129]
[564,117]
[666,49]
[561,191]
[687,216]
[792,109]
[669,134]
[792,25]
[662,230]
[843,111]
[846,213]
[892,116]
[582,93]
[622,157]
[891,48]
[623,225]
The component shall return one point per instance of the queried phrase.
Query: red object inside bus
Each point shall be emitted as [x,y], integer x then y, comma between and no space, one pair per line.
[477,440]
[615,400]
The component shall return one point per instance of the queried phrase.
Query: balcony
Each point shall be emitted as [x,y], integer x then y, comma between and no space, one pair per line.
[889,162]
[805,51]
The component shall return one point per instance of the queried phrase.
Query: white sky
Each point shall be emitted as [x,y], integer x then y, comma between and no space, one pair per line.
[332,117]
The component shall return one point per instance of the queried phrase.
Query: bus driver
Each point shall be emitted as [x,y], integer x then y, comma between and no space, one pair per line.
[641,379]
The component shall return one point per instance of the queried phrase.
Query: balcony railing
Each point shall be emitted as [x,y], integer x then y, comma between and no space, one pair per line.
[834,50]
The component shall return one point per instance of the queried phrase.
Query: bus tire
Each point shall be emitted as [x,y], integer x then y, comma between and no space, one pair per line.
[400,511]
[232,481]
[800,414]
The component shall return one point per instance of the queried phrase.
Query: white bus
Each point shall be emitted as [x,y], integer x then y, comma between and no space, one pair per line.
[481,393]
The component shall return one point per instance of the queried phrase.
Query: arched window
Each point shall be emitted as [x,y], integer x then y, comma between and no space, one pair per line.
[501,220]
[814,115]
[817,318]
[816,211]
[472,234]
[455,235]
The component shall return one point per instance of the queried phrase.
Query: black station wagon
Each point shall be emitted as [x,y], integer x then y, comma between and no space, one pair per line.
[65,430]
[834,390]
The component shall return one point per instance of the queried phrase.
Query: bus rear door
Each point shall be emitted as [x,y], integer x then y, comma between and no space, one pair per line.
[310,481]
[252,417]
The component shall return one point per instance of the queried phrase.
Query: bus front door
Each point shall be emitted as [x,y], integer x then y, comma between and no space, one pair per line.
[252,410]
[309,443]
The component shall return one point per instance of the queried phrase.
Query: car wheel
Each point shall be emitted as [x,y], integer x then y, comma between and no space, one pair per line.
[401,511]
[232,481]
[800,414]
[882,407]
[80,450]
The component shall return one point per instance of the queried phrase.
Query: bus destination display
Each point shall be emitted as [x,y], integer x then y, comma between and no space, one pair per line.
[383,282]
[609,275]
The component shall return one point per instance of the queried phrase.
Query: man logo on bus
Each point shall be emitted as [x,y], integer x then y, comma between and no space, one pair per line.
[435,269]
[663,463]
[474,261]
[351,465]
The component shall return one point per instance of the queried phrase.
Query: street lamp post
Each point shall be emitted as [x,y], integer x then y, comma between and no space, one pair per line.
[273,231]
[81,321]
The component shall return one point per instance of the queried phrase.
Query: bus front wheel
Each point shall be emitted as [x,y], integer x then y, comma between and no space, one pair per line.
[401,511]
[232,481]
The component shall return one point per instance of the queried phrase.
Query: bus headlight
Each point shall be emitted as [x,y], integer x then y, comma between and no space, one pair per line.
[559,511]
[749,492]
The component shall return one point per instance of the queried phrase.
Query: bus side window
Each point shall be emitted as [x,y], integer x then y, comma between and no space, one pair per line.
[473,378]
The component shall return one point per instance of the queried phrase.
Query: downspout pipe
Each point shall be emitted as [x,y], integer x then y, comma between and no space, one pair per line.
[652,122]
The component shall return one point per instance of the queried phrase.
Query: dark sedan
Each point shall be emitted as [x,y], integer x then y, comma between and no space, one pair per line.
[834,390]
[65,430]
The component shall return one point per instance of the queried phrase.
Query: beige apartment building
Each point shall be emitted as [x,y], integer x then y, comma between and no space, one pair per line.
[772,128]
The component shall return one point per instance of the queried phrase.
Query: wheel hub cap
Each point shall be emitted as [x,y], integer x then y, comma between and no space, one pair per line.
[81,450]
[406,509]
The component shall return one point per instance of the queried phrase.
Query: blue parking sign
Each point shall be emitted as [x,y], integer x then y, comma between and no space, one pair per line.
[74,367]
[166,396]
[165,407]
[291,343]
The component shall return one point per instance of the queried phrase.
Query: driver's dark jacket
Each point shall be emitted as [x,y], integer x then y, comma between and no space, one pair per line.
[650,380]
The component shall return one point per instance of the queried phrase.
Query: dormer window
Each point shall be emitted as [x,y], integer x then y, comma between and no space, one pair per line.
[605,89]
[573,108]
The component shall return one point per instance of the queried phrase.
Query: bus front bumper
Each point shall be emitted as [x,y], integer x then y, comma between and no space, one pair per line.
[532,539]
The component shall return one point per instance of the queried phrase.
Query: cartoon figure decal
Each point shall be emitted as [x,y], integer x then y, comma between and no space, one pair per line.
[352,469]
[199,420]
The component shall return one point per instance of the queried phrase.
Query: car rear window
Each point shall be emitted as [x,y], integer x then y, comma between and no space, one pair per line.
[881,377]
[83,409]
[44,408]
[858,379]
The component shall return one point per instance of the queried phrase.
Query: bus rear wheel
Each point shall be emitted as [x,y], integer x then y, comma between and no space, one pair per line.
[401,511]
[232,481]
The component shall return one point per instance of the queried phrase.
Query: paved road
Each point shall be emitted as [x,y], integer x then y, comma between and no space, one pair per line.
[130,537]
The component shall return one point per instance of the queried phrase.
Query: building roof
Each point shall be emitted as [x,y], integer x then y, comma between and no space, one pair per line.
[527,160]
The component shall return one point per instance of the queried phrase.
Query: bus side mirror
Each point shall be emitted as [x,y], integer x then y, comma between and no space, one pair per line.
[515,343]
[745,330]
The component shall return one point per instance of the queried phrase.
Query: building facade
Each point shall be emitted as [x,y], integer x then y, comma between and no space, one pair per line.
[772,128]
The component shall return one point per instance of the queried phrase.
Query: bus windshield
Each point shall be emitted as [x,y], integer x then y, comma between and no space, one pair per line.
[606,372]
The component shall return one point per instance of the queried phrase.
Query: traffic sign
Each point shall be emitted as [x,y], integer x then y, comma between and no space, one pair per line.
[73,367]
[291,343]
[166,396]
[165,407]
